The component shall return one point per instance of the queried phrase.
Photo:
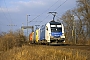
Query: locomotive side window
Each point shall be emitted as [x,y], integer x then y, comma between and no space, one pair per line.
[46,28]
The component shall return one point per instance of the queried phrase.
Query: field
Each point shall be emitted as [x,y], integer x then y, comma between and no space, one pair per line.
[43,52]
[14,47]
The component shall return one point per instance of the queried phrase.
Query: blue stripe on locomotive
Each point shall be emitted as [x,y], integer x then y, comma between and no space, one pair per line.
[42,33]
[56,34]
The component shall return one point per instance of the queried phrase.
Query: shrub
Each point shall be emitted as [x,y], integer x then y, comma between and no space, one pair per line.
[10,40]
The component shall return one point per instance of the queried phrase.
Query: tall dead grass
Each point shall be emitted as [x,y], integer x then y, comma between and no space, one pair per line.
[40,53]
[10,40]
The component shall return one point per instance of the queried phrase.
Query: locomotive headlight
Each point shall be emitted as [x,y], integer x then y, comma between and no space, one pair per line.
[64,41]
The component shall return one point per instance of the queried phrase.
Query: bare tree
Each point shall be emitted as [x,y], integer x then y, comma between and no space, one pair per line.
[78,26]
[84,11]
[68,20]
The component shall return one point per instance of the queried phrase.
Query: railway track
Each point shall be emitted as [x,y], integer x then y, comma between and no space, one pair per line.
[68,46]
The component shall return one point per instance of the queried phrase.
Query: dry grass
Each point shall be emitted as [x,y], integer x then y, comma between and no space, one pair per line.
[39,53]
[10,40]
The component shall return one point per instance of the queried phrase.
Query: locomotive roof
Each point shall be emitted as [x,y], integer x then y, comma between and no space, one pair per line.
[54,23]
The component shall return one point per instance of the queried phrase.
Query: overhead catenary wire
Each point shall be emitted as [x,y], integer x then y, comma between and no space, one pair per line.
[50,7]
[44,18]
[8,12]
[11,24]
[45,11]
[4,15]
[60,5]
[3,24]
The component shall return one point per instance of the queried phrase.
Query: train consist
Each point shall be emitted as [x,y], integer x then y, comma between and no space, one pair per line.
[51,32]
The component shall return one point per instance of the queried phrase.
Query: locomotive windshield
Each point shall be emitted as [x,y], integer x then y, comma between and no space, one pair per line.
[56,29]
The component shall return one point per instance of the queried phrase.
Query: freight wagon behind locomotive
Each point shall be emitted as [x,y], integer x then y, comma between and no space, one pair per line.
[31,37]
[51,32]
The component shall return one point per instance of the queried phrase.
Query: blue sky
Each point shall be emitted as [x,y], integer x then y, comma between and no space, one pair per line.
[13,12]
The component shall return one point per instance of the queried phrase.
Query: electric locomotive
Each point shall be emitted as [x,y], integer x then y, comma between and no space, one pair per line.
[52,32]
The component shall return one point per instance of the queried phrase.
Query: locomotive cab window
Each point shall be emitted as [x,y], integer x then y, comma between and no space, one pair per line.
[55,29]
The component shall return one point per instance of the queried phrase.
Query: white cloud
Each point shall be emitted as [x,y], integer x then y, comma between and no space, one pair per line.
[9,10]
[22,5]
[29,3]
